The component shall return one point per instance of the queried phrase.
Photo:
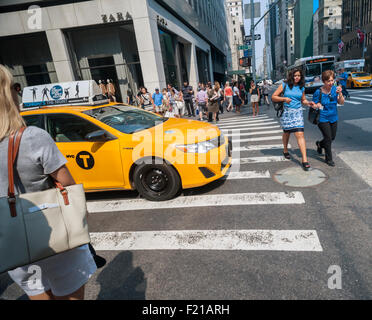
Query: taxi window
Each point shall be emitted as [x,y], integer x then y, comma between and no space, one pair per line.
[35,120]
[126,119]
[69,128]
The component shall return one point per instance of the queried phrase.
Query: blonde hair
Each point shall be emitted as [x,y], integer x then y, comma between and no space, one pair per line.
[217,85]
[10,119]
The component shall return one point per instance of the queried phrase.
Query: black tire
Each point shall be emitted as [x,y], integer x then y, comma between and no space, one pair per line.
[156,182]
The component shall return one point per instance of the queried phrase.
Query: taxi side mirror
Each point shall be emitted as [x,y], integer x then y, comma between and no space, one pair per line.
[97,136]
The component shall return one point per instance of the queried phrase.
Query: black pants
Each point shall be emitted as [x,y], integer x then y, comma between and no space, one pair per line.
[329,134]
[189,107]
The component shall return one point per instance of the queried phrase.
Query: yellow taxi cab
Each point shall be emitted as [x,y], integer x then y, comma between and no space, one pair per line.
[359,80]
[113,146]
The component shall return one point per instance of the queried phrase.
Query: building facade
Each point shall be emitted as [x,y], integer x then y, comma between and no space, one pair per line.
[235,28]
[303,22]
[327,23]
[357,14]
[281,36]
[132,42]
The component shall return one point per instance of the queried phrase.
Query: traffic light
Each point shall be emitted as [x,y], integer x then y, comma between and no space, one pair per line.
[245,62]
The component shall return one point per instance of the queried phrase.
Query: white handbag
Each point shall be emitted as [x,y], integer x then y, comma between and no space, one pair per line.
[37,225]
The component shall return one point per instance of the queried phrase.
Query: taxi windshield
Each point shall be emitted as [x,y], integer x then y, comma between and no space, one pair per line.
[126,119]
[360,74]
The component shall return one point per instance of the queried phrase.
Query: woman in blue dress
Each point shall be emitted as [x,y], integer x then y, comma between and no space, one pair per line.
[326,99]
[292,120]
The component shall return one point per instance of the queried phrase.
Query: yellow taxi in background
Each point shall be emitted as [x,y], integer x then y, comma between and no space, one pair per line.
[114,146]
[359,80]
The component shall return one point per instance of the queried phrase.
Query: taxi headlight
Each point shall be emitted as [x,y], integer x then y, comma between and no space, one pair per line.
[201,147]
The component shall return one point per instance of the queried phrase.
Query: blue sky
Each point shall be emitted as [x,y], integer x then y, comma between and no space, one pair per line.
[316,5]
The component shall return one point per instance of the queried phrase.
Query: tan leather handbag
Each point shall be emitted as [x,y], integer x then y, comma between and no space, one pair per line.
[37,225]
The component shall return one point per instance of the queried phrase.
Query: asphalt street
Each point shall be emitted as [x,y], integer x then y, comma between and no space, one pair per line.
[248,236]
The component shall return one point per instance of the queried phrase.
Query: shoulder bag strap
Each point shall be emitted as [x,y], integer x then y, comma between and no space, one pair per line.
[13,147]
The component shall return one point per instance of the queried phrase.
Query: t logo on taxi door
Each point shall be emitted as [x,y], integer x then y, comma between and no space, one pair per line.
[85,160]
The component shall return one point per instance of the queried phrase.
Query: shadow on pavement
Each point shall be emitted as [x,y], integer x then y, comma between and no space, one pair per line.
[119,280]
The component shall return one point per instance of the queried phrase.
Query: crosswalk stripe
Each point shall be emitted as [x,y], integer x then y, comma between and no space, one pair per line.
[243,119]
[272,240]
[257,139]
[247,125]
[259,160]
[363,99]
[352,102]
[256,133]
[248,175]
[367,96]
[247,122]
[214,200]
[260,147]
[250,129]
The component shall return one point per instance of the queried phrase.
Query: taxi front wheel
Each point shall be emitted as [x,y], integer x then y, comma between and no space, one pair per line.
[156,182]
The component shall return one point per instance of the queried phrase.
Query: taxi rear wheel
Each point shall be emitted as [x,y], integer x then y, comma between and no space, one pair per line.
[156,182]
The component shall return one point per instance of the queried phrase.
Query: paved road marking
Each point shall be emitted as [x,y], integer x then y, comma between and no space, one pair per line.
[242,119]
[362,91]
[259,160]
[352,102]
[234,140]
[260,147]
[363,123]
[238,126]
[256,133]
[360,163]
[268,240]
[363,99]
[248,175]
[215,200]
[249,129]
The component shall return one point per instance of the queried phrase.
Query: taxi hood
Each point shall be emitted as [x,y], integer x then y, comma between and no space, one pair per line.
[181,131]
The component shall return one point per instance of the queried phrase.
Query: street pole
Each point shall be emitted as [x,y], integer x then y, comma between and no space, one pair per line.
[364,43]
[253,43]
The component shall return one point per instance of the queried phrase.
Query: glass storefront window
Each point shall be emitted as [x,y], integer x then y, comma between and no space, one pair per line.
[108,52]
[28,58]
[203,65]
[167,44]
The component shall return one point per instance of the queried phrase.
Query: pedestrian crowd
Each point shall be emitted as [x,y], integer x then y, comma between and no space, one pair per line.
[205,103]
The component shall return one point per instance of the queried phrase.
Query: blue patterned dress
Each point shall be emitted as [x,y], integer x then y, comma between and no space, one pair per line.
[293,116]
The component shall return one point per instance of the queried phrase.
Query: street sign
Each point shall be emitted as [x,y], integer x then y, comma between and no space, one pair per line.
[256,37]
[245,47]
[248,10]
[248,53]
[236,72]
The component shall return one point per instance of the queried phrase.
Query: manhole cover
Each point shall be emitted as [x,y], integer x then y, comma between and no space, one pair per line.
[297,177]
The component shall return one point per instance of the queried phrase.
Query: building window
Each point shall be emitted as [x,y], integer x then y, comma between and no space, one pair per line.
[329,48]
[29,60]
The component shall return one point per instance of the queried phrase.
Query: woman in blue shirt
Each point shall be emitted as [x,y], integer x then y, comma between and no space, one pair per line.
[326,99]
[292,120]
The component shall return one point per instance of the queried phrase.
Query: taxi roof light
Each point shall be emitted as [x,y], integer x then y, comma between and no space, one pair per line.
[81,93]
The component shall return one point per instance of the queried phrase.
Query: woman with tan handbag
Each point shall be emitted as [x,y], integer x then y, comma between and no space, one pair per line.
[61,276]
